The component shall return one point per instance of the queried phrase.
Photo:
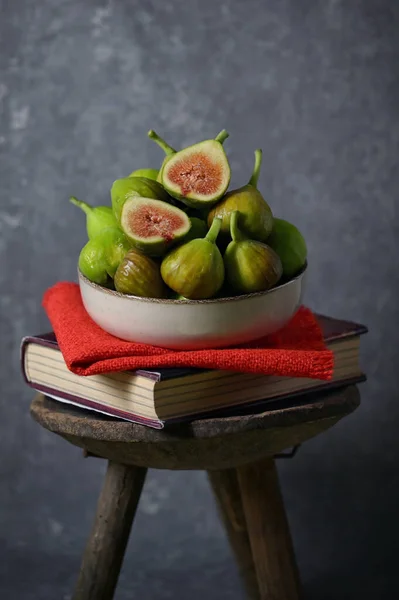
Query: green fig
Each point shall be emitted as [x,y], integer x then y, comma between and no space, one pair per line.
[198,229]
[197,213]
[257,217]
[147,173]
[97,217]
[290,245]
[180,297]
[109,284]
[152,226]
[125,188]
[139,275]
[251,266]
[195,270]
[100,257]
[169,151]
[198,175]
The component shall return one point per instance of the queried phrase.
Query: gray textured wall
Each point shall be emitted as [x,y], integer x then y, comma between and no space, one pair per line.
[314,83]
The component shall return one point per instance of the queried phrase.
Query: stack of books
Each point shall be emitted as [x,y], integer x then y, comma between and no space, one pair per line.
[158,397]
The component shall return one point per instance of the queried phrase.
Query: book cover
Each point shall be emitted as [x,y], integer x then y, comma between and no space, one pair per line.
[333,330]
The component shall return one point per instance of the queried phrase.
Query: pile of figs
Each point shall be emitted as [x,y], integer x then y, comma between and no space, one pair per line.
[178,232]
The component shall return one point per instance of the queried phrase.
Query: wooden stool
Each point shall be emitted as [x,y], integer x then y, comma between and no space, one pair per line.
[237,453]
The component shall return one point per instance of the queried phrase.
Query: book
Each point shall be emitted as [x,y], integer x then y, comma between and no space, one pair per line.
[158,397]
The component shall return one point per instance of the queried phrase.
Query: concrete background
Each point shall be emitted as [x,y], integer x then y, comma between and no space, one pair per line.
[314,83]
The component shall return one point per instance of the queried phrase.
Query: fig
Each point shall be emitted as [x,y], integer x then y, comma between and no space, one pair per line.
[197,230]
[97,218]
[195,270]
[290,245]
[165,147]
[256,214]
[153,226]
[147,173]
[251,266]
[139,275]
[195,212]
[125,188]
[198,175]
[101,256]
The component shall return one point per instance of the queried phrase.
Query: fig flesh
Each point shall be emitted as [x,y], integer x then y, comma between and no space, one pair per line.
[153,226]
[139,275]
[251,266]
[97,217]
[290,245]
[101,256]
[256,216]
[198,175]
[195,270]
[147,173]
[125,188]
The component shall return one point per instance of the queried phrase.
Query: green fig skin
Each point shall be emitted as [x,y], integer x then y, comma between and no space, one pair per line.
[251,266]
[198,175]
[169,151]
[125,188]
[164,162]
[101,256]
[139,275]
[198,229]
[97,217]
[256,215]
[109,284]
[147,173]
[195,270]
[197,213]
[288,242]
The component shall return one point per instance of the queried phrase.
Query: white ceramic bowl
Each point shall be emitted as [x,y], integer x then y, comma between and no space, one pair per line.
[194,324]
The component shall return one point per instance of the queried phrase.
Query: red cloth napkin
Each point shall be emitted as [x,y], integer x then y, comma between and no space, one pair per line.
[298,350]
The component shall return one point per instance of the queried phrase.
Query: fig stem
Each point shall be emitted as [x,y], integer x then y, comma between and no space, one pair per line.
[235,232]
[83,205]
[255,173]
[222,136]
[161,143]
[214,230]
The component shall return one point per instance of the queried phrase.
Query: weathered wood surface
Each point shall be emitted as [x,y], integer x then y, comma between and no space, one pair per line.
[269,534]
[228,497]
[103,556]
[203,444]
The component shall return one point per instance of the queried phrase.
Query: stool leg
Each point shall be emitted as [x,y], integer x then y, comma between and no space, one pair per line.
[105,549]
[228,497]
[268,530]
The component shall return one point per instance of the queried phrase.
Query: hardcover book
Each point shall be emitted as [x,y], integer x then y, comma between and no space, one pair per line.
[158,397]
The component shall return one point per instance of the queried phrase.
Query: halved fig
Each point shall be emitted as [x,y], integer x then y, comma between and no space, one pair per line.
[153,226]
[125,188]
[198,175]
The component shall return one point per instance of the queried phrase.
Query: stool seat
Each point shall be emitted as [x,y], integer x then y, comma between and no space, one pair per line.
[215,443]
[237,452]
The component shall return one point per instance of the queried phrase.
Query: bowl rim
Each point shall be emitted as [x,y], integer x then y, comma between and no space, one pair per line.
[175,301]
